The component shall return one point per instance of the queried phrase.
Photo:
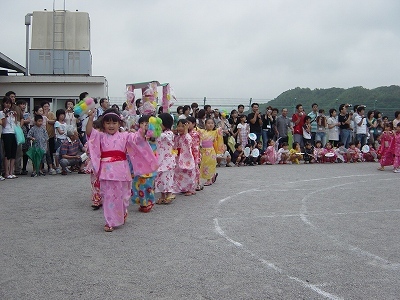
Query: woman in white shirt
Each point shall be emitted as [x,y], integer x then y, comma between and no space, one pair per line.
[8,121]
[333,127]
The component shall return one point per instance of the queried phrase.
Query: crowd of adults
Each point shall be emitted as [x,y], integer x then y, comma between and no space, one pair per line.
[346,124]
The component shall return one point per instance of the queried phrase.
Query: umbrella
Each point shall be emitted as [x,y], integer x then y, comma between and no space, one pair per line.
[36,155]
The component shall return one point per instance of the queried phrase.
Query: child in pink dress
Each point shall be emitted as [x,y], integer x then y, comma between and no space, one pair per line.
[185,170]
[109,149]
[385,152]
[195,149]
[270,155]
[331,157]
[319,152]
[164,183]
[395,147]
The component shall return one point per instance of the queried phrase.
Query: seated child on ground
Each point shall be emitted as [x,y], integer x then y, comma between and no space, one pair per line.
[283,154]
[238,156]
[295,154]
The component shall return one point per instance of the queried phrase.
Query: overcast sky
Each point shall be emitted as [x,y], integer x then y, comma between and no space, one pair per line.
[230,49]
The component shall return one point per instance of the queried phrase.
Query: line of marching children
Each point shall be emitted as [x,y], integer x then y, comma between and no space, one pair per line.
[133,165]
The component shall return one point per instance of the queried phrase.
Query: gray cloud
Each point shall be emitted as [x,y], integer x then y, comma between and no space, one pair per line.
[231,49]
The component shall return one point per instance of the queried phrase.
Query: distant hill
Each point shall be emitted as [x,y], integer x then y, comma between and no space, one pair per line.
[386,99]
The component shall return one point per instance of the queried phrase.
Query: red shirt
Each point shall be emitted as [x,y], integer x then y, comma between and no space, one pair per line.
[298,128]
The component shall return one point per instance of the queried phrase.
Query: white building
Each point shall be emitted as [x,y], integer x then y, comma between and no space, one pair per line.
[60,62]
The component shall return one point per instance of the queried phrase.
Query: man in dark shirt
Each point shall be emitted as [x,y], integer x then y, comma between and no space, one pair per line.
[254,119]
[344,120]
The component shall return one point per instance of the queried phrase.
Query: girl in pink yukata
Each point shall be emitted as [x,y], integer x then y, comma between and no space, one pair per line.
[185,170]
[109,147]
[395,147]
[195,149]
[271,155]
[384,150]
[164,183]
[331,157]
[319,152]
[143,185]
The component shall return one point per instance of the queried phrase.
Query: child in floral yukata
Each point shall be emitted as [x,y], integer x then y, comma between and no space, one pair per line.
[166,158]
[185,170]
[108,149]
[195,149]
[143,185]
[395,147]
[211,145]
[384,150]
[270,156]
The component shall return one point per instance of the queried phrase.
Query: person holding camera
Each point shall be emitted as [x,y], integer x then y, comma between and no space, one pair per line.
[8,120]
[345,119]
[298,120]
[268,126]
[254,120]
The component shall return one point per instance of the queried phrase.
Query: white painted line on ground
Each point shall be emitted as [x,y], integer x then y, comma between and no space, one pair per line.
[377,260]
[266,263]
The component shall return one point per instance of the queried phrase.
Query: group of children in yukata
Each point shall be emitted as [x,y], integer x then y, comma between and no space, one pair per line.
[129,165]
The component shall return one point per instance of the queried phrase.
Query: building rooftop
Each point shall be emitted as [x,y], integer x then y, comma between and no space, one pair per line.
[8,63]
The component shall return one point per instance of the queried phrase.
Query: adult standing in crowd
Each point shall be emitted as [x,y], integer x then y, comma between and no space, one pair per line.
[70,118]
[361,125]
[50,120]
[234,121]
[209,112]
[217,118]
[201,119]
[283,125]
[9,121]
[321,127]
[345,120]
[255,121]
[396,118]
[313,114]
[333,127]
[298,122]
[194,109]
[18,117]
[104,105]
[268,126]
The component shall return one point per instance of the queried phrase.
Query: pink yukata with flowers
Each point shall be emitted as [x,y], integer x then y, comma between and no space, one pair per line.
[108,155]
[185,170]
[395,148]
[164,182]
[385,149]
[196,153]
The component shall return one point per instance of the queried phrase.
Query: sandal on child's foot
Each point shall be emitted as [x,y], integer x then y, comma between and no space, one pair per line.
[160,201]
[189,193]
[108,228]
[168,200]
